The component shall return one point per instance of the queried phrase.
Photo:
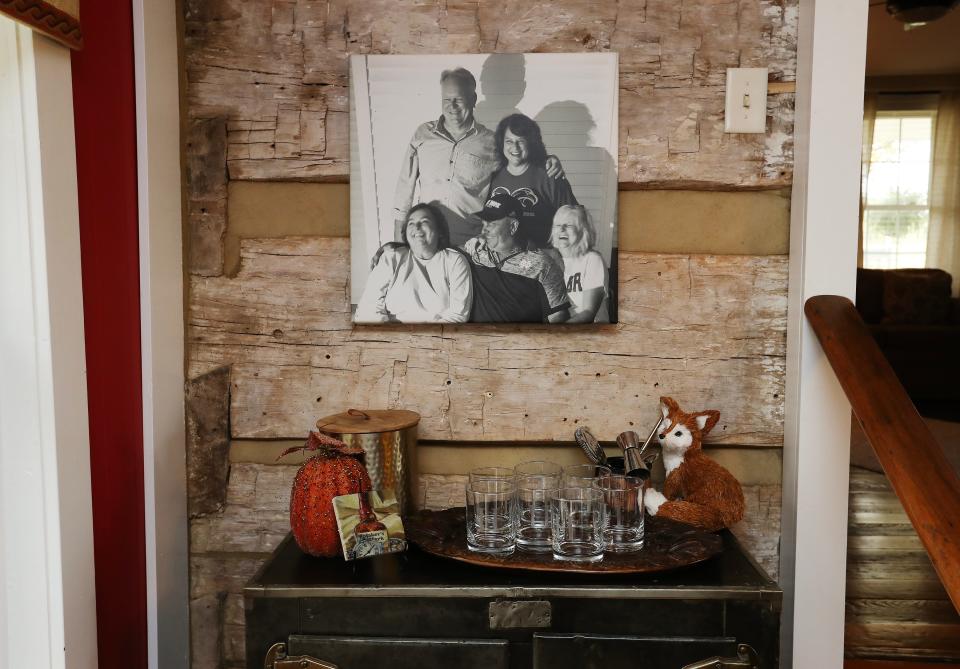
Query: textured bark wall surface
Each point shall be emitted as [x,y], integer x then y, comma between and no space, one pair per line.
[275,74]
[708,329]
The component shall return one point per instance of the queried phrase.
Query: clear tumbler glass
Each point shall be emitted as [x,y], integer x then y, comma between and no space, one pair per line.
[534,481]
[623,498]
[577,518]
[491,516]
[582,476]
[491,473]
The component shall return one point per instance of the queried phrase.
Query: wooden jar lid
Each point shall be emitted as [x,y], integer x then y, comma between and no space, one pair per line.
[355,421]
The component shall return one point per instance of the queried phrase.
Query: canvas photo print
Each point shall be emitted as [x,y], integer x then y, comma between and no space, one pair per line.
[483,188]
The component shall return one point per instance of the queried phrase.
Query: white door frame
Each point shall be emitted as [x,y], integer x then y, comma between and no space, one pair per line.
[47,596]
[823,259]
[162,332]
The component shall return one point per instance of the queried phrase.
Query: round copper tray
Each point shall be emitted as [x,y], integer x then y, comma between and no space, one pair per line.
[667,545]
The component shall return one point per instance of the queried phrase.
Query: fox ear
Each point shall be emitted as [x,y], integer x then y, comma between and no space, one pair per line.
[668,406]
[706,420]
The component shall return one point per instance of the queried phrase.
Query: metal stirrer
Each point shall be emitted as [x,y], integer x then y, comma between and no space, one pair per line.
[650,450]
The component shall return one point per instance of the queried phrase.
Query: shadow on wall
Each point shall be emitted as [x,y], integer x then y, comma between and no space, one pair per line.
[503,83]
[588,173]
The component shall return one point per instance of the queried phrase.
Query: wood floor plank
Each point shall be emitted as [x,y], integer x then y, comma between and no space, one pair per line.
[896,604]
[883,543]
[926,639]
[902,610]
[894,664]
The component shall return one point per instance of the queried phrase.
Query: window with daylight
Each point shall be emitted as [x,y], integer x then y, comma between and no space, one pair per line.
[896,190]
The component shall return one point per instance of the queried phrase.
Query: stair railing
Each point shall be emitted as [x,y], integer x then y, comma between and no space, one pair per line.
[911,457]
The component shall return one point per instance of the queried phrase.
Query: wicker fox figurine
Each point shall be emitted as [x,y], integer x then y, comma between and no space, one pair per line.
[697,491]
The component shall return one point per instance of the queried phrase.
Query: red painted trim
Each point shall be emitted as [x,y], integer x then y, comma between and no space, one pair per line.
[105,116]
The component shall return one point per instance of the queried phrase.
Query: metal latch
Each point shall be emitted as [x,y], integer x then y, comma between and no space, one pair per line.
[524,613]
[746,658]
[277,659]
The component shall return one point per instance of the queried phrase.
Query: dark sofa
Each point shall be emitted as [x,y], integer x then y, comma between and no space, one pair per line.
[917,325]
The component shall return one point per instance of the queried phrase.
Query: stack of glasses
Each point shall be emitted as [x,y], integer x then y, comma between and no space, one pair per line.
[576,512]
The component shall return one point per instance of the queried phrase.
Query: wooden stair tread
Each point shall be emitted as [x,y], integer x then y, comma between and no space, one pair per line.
[896,605]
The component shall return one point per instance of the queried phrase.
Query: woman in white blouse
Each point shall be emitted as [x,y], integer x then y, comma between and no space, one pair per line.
[422,280]
[584,271]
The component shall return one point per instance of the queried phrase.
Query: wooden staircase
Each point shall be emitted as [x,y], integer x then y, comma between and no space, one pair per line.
[903,566]
[896,605]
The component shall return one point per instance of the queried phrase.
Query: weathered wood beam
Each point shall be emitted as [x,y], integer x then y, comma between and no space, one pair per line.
[708,329]
[278,71]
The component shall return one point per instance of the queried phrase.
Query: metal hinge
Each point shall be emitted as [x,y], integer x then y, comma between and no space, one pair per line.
[277,659]
[746,658]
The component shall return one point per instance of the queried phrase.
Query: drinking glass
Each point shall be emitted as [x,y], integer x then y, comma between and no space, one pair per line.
[582,476]
[534,481]
[491,473]
[623,498]
[491,516]
[577,518]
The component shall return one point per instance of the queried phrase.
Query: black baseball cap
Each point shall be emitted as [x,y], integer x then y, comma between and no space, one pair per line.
[500,206]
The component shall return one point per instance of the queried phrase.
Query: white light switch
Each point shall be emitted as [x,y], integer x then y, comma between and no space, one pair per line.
[746,108]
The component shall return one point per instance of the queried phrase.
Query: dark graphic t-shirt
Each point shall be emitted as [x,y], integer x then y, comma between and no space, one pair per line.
[540,196]
[502,297]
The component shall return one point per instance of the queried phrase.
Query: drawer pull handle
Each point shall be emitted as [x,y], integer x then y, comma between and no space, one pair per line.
[746,658]
[518,614]
[277,658]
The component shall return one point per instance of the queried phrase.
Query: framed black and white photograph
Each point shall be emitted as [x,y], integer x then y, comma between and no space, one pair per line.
[483,188]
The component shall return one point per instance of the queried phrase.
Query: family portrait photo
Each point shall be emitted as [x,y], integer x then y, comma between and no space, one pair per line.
[483,188]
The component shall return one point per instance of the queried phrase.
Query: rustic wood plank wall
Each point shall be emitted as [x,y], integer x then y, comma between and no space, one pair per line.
[270,345]
[695,324]
[266,85]
[277,70]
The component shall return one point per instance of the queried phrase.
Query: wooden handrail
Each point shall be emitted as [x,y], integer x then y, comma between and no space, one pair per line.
[913,461]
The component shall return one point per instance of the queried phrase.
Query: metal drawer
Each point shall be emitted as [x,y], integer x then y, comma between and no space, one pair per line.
[560,651]
[355,652]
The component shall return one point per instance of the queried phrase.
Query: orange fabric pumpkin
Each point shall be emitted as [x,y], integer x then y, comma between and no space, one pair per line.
[334,471]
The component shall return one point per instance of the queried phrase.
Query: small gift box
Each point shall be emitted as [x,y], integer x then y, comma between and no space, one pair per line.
[369,524]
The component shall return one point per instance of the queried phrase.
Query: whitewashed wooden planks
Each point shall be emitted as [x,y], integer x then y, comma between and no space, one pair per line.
[278,71]
[708,330]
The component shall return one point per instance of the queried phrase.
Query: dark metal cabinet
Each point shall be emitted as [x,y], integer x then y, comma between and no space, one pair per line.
[416,610]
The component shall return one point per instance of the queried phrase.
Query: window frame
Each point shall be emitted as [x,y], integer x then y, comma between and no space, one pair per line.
[900,106]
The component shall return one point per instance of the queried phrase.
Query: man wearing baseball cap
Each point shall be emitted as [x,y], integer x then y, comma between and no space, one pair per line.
[514,281]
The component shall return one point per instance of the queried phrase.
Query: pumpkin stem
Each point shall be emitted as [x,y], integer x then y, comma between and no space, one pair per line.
[327,445]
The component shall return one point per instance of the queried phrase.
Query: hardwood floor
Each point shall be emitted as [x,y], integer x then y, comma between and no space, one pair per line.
[896,606]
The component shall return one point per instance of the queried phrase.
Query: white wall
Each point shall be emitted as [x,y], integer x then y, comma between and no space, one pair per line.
[47,597]
[823,259]
[162,332]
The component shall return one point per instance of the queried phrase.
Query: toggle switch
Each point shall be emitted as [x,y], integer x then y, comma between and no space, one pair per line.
[746,101]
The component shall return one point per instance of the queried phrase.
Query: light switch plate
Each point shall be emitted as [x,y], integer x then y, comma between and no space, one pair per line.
[746,106]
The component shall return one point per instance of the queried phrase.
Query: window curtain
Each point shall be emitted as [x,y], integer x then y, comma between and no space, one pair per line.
[869,119]
[943,240]
[58,19]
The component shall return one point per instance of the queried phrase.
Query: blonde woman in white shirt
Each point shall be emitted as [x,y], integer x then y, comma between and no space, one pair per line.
[421,280]
[584,271]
